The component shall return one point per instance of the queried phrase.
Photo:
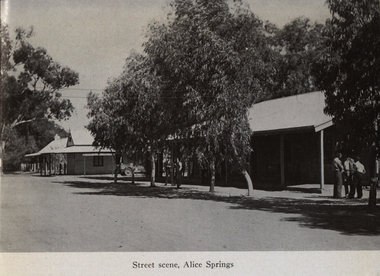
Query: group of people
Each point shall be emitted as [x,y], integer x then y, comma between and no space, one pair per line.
[348,174]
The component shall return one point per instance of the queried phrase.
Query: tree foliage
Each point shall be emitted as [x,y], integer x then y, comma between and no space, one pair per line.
[30,83]
[300,43]
[28,138]
[130,116]
[201,71]
[349,72]
[201,55]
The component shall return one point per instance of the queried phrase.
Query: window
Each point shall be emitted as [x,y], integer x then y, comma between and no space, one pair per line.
[98,161]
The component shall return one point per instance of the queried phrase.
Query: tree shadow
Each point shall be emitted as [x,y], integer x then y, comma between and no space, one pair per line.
[347,216]
[304,190]
[122,178]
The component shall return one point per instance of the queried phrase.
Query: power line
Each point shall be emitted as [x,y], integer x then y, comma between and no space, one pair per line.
[131,98]
[81,89]
[75,89]
[72,97]
[98,89]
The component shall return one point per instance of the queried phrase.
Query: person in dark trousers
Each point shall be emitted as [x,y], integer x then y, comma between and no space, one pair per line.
[357,181]
[338,181]
[348,174]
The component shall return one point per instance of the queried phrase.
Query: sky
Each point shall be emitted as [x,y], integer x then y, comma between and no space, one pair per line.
[94,37]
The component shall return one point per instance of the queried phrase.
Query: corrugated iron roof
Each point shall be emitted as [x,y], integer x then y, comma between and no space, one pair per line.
[83,149]
[82,144]
[52,147]
[81,138]
[299,112]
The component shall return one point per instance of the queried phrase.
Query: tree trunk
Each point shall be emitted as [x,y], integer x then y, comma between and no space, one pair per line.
[212,184]
[153,172]
[180,171]
[116,172]
[372,192]
[117,166]
[2,145]
[166,175]
[249,182]
[226,171]
[172,165]
[179,176]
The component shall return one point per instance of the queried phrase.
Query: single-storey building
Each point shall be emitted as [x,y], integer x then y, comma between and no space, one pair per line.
[46,162]
[294,141]
[74,155]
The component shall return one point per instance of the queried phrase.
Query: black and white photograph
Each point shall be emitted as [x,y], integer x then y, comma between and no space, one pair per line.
[185,137]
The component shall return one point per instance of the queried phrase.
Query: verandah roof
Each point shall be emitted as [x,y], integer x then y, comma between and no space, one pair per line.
[88,150]
[295,113]
[52,147]
[83,145]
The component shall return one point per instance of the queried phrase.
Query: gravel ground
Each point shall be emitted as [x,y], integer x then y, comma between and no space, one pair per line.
[92,214]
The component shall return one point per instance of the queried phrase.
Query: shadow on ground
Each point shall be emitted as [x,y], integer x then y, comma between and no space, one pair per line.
[350,217]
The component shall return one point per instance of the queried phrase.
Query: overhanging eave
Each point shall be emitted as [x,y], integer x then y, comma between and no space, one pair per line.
[284,131]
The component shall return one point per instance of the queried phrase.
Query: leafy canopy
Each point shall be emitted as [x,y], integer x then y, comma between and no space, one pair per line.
[300,43]
[30,81]
[204,56]
[349,72]
[130,113]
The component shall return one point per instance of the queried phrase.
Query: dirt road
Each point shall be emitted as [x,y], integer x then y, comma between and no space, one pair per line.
[77,214]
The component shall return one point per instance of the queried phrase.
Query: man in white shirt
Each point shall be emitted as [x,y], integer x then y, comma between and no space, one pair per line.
[349,168]
[357,181]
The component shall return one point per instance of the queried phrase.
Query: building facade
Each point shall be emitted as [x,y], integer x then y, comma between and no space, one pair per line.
[73,155]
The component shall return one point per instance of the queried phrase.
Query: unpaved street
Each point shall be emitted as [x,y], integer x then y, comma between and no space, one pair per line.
[72,214]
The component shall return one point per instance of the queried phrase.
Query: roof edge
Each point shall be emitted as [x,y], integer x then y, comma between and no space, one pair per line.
[284,130]
[323,125]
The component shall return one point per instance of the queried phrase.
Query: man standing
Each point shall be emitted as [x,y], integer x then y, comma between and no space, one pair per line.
[358,176]
[338,169]
[348,175]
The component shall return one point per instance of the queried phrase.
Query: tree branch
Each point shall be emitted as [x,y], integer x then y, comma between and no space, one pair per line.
[16,122]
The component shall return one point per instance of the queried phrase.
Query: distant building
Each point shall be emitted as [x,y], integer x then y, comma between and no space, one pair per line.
[73,155]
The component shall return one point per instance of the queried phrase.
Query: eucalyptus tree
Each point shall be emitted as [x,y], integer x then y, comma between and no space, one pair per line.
[30,84]
[29,138]
[130,116]
[105,126]
[201,55]
[300,43]
[349,72]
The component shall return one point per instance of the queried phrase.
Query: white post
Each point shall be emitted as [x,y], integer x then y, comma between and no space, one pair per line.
[84,165]
[55,163]
[282,160]
[322,162]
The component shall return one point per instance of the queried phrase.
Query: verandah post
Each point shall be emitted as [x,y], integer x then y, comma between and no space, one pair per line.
[322,161]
